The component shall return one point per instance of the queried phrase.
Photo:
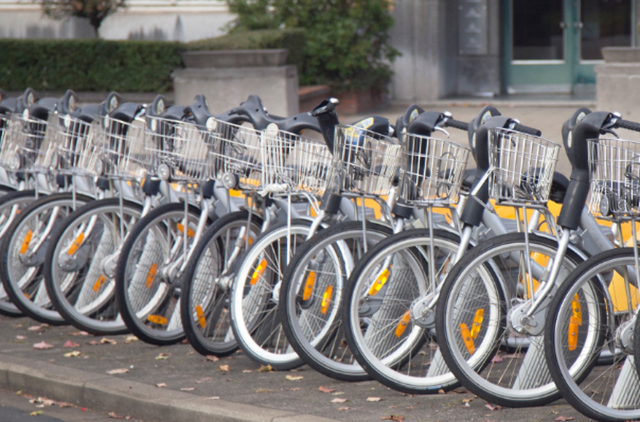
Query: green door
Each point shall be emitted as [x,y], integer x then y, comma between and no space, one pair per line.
[551,46]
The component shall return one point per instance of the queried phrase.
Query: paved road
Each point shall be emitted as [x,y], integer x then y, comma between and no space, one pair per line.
[17,408]
[185,370]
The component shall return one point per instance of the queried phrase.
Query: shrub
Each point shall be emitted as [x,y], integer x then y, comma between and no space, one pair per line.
[88,65]
[347,40]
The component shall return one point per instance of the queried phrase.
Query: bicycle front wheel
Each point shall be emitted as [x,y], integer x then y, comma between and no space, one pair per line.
[316,275]
[147,274]
[475,336]
[589,338]
[23,250]
[79,285]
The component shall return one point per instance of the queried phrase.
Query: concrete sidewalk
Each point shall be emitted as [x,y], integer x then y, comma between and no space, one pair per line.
[192,383]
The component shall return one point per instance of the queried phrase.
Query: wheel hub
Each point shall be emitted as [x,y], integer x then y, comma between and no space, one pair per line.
[422,314]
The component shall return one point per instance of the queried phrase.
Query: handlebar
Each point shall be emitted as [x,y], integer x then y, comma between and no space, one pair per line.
[626,124]
[457,124]
[526,129]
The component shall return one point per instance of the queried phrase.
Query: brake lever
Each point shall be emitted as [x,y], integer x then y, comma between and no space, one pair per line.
[438,128]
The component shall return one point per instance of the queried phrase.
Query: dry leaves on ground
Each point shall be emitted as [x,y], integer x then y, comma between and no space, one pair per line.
[339,400]
[293,377]
[187,389]
[264,390]
[225,368]
[130,339]
[79,333]
[344,408]
[374,398]
[163,356]
[93,343]
[73,354]
[38,328]
[70,344]
[326,389]
[112,415]
[247,371]
[211,358]
[21,337]
[212,398]
[105,340]
[161,385]
[564,418]
[492,406]
[265,368]
[395,418]
[201,380]
[43,345]
[118,371]
[36,413]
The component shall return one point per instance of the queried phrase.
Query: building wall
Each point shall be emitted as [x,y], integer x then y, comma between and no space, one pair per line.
[176,20]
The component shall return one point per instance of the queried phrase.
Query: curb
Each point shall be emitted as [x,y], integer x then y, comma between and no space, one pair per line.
[106,393]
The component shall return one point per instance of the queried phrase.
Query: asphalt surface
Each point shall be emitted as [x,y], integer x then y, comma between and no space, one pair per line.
[19,408]
[180,368]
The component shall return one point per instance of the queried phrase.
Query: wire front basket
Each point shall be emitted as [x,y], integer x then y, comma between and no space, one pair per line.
[181,146]
[237,150]
[368,163]
[615,179]
[5,128]
[78,147]
[522,167]
[30,144]
[124,155]
[294,164]
[433,170]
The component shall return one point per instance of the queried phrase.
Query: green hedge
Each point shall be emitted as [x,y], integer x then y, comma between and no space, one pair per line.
[124,66]
[88,65]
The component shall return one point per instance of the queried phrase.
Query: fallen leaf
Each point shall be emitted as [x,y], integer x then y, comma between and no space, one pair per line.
[492,406]
[43,345]
[73,354]
[291,389]
[161,385]
[496,359]
[337,393]
[326,389]
[70,344]
[112,415]
[79,333]
[293,377]
[191,353]
[118,371]
[20,337]
[265,368]
[339,400]
[264,390]
[93,343]
[344,408]
[441,391]
[212,358]
[224,368]
[201,380]
[130,339]
[247,371]
[373,399]
[212,398]
[563,418]
[19,393]
[36,413]
[163,356]
[38,328]
[187,389]
[105,340]
[395,418]
[63,404]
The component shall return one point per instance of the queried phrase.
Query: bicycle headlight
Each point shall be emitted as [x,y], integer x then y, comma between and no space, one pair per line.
[230,180]
[605,205]
[212,124]
[99,167]
[164,172]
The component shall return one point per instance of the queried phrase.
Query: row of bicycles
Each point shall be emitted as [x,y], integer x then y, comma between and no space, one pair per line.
[367,250]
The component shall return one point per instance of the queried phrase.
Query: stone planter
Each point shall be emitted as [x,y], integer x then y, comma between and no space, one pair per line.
[235,58]
[227,78]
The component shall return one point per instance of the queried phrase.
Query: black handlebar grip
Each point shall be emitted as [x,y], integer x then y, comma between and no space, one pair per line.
[457,124]
[527,129]
[626,124]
